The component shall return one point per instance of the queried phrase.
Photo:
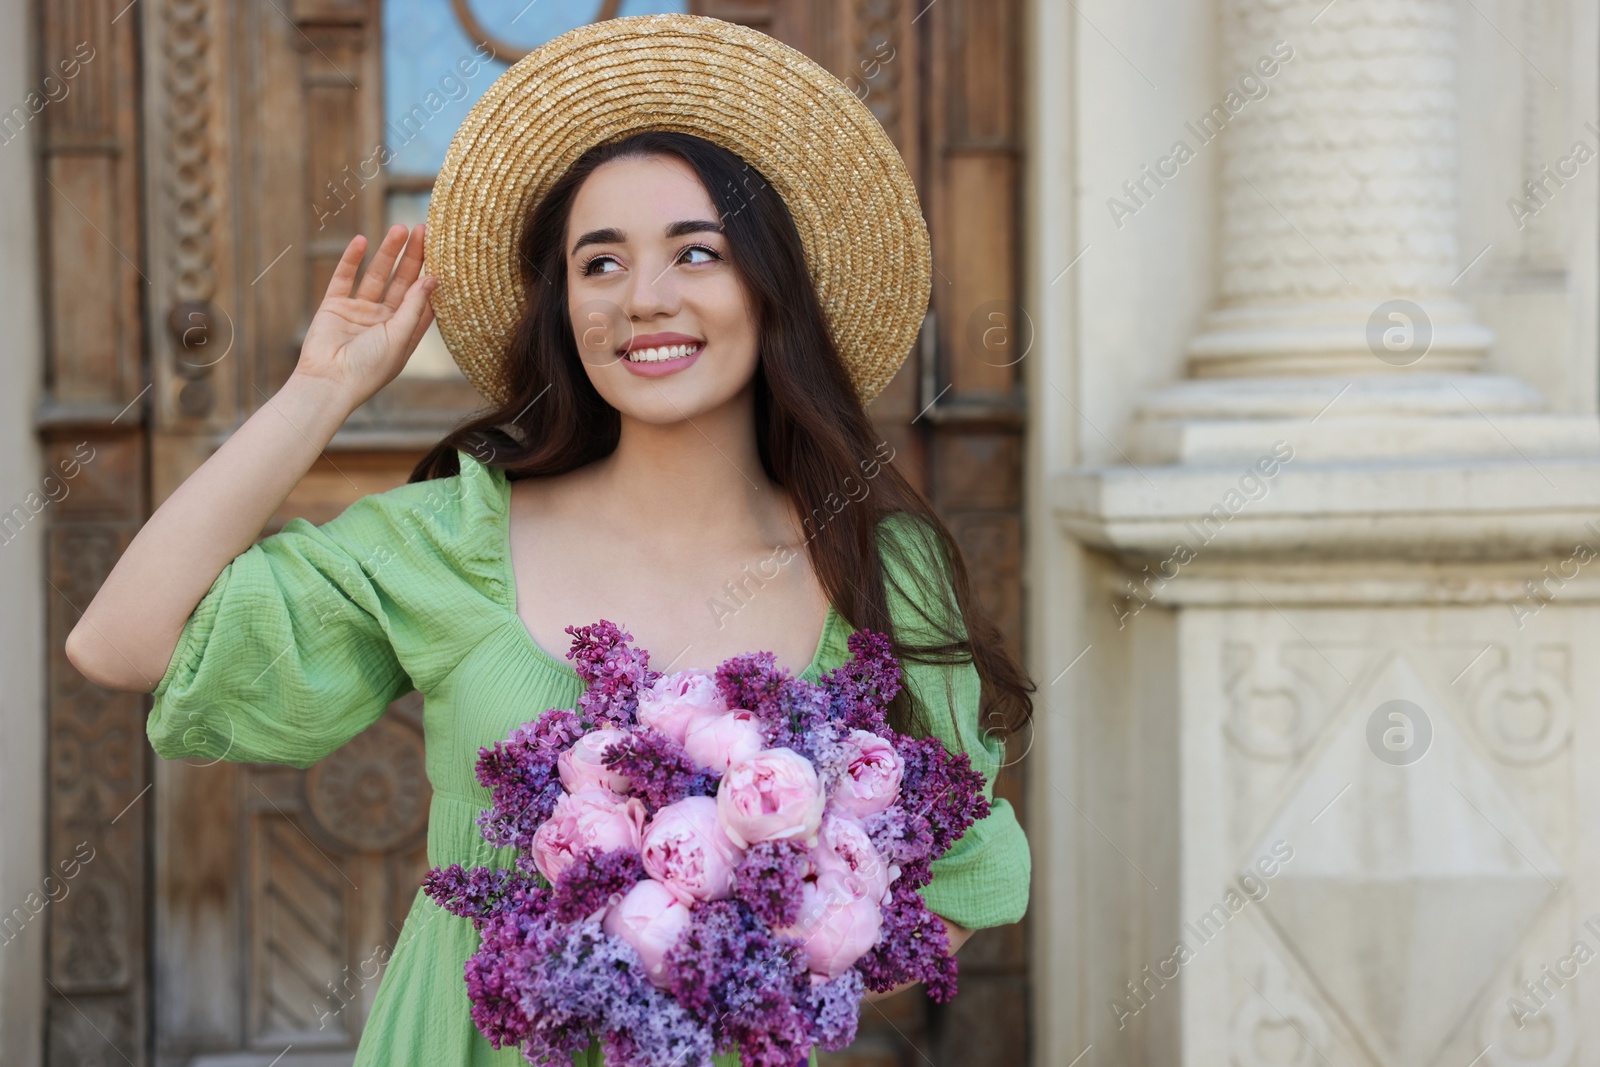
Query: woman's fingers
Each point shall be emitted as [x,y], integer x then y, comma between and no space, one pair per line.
[376,280]
[410,266]
[344,272]
[412,317]
[376,284]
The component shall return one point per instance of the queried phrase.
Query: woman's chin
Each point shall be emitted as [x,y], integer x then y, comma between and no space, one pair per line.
[663,405]
[674,398]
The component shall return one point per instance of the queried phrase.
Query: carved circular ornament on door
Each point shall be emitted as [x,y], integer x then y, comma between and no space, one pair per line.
[372,794]
[504,50]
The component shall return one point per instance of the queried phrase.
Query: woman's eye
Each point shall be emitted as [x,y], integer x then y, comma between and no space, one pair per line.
[710,254]
[601,265]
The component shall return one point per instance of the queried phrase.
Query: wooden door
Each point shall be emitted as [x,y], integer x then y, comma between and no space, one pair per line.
[198,200]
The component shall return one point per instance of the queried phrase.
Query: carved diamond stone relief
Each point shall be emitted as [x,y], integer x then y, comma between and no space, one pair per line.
[1412,882]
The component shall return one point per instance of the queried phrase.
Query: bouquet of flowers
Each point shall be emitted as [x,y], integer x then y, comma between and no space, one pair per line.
[707,860]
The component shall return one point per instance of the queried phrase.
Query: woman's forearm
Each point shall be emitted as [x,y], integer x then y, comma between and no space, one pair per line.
[357,342]
[958,936]
[128,632]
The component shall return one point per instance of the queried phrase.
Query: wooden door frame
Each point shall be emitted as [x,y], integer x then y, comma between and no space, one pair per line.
[96,965]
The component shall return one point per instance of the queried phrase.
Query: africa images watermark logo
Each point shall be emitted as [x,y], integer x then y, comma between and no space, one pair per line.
[1399,732]
[1541,189]
[1399,332]
[54,890]
[739,591]
[1539,992]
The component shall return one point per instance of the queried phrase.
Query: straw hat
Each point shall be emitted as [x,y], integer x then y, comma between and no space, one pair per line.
[845,185]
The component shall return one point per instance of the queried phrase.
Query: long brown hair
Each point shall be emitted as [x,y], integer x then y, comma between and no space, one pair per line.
[813,434]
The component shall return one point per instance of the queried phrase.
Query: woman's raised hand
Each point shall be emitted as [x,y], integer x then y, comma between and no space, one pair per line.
[355,346]
[360,341]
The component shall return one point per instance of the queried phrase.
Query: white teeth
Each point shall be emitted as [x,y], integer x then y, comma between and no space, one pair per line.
[656,355]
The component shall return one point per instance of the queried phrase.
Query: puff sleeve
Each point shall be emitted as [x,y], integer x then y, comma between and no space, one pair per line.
[983,880]
[289,654]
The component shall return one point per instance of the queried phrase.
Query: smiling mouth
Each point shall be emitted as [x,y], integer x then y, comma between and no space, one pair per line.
[662,353]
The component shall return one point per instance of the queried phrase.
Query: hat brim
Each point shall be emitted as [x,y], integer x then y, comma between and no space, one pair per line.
[846,187]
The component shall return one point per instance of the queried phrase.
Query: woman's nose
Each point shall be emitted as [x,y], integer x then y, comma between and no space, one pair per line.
[651,292]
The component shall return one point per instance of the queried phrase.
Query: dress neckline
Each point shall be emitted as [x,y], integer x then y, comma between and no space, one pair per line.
[508,585]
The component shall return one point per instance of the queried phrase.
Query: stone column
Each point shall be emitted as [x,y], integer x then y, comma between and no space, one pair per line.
[1337,253]
[1338,192]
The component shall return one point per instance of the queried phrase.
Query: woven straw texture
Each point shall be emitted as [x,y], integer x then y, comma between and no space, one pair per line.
[845,185]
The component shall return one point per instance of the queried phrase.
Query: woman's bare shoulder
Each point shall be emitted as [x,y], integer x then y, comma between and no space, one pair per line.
[567,493]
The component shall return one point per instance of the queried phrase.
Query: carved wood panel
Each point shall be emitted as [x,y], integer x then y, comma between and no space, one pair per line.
[334,857]
[96,837]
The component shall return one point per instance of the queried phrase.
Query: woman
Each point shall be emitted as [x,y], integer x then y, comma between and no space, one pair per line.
[676,441]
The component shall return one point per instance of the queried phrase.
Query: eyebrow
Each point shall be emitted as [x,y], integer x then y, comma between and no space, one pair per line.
[608,236]
[611,235]
[679,229]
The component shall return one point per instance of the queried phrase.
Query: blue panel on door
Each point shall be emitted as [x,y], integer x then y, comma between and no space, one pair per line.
[434,71]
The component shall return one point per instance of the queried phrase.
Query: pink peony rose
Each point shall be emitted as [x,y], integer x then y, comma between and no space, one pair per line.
[686,850]
[872,778]
[836,926]
[581,768]
[677,700]
[843,848]
[592,818]
[717,742]
[774,794]
[650,918]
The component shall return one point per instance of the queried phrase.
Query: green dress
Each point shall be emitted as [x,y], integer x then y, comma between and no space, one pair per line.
[307,636]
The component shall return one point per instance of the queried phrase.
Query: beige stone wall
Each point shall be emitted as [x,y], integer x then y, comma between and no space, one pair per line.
[1315,474]
[22,651]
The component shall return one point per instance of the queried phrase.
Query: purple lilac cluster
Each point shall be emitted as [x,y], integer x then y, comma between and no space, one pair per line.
[548,983]
[912,946]
[787,708]
[521,776]
[479,893]
[516,934]
[595,880]
[621,925]
[595,984]
[768,880]
[860,689]
[659,768]
[730,971]
[949,799]
[614,672]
